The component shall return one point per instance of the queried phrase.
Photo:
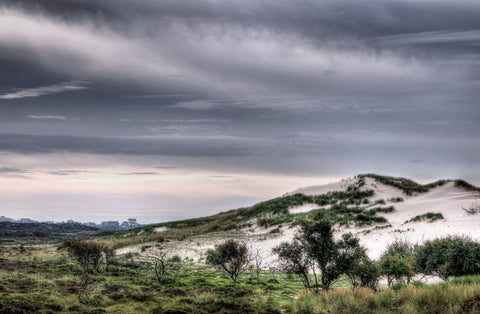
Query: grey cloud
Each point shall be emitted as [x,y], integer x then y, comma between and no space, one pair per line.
[45,90]
[220,50]
[66,172]
[465,37]
[12,170]
[183,146]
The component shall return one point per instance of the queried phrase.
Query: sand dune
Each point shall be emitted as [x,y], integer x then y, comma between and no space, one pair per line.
[447,200]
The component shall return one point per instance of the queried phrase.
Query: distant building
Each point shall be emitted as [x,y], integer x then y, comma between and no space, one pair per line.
[26,221]
[130,223]
[3,218]
[110,224]
[90,224]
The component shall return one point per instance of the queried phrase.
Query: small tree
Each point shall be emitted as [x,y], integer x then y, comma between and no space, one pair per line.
[397,267]
[333,258]
[293,259]
[314,248]
[400,247]
[231,256]
[258,261]
[362,272]
[165,268]
[89,254]
[397,261]
[368,273]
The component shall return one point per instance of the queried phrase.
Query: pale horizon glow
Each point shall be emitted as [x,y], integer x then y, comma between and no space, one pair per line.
[148,194]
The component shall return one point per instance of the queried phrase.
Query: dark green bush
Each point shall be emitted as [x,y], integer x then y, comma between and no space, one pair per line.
[451,256]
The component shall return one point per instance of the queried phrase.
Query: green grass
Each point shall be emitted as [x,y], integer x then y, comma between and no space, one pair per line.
[430,217]
[42,280]
[45,233]
[466,186]
[413,298]
[406,185]
[396,199]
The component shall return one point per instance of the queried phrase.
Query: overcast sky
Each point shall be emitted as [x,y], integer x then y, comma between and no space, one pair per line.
[166,109]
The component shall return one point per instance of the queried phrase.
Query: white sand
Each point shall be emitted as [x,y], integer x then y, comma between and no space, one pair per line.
[305,208]
[160,229]
[447,200]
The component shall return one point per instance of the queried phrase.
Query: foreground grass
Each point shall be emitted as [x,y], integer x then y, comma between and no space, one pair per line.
[419,298]
[42,280]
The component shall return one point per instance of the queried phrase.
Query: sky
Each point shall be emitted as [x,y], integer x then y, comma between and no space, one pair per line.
[170,109]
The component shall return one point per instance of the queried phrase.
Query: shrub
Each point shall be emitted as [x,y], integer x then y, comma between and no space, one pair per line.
[397,267]
[397,261]
[231,256]
[364,273]
[293,259]
[448,257]
[396,199]
[165,269]
[315,247]
[399,247]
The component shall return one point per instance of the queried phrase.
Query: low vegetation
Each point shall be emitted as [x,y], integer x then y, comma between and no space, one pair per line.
[409,186]
[406,185]
[466,186]
[47,280]
[474,208]
[430,217]
[43,233]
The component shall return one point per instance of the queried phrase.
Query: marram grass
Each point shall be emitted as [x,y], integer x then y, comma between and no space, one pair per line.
[440,298]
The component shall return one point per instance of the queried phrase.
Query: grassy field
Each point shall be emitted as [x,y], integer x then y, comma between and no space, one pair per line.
[42,279]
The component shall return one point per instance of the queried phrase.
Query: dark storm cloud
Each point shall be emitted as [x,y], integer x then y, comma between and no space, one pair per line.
[201,147]
[231,47]
[278,85]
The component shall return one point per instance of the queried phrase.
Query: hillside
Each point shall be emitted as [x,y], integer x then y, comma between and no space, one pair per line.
[376,208]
